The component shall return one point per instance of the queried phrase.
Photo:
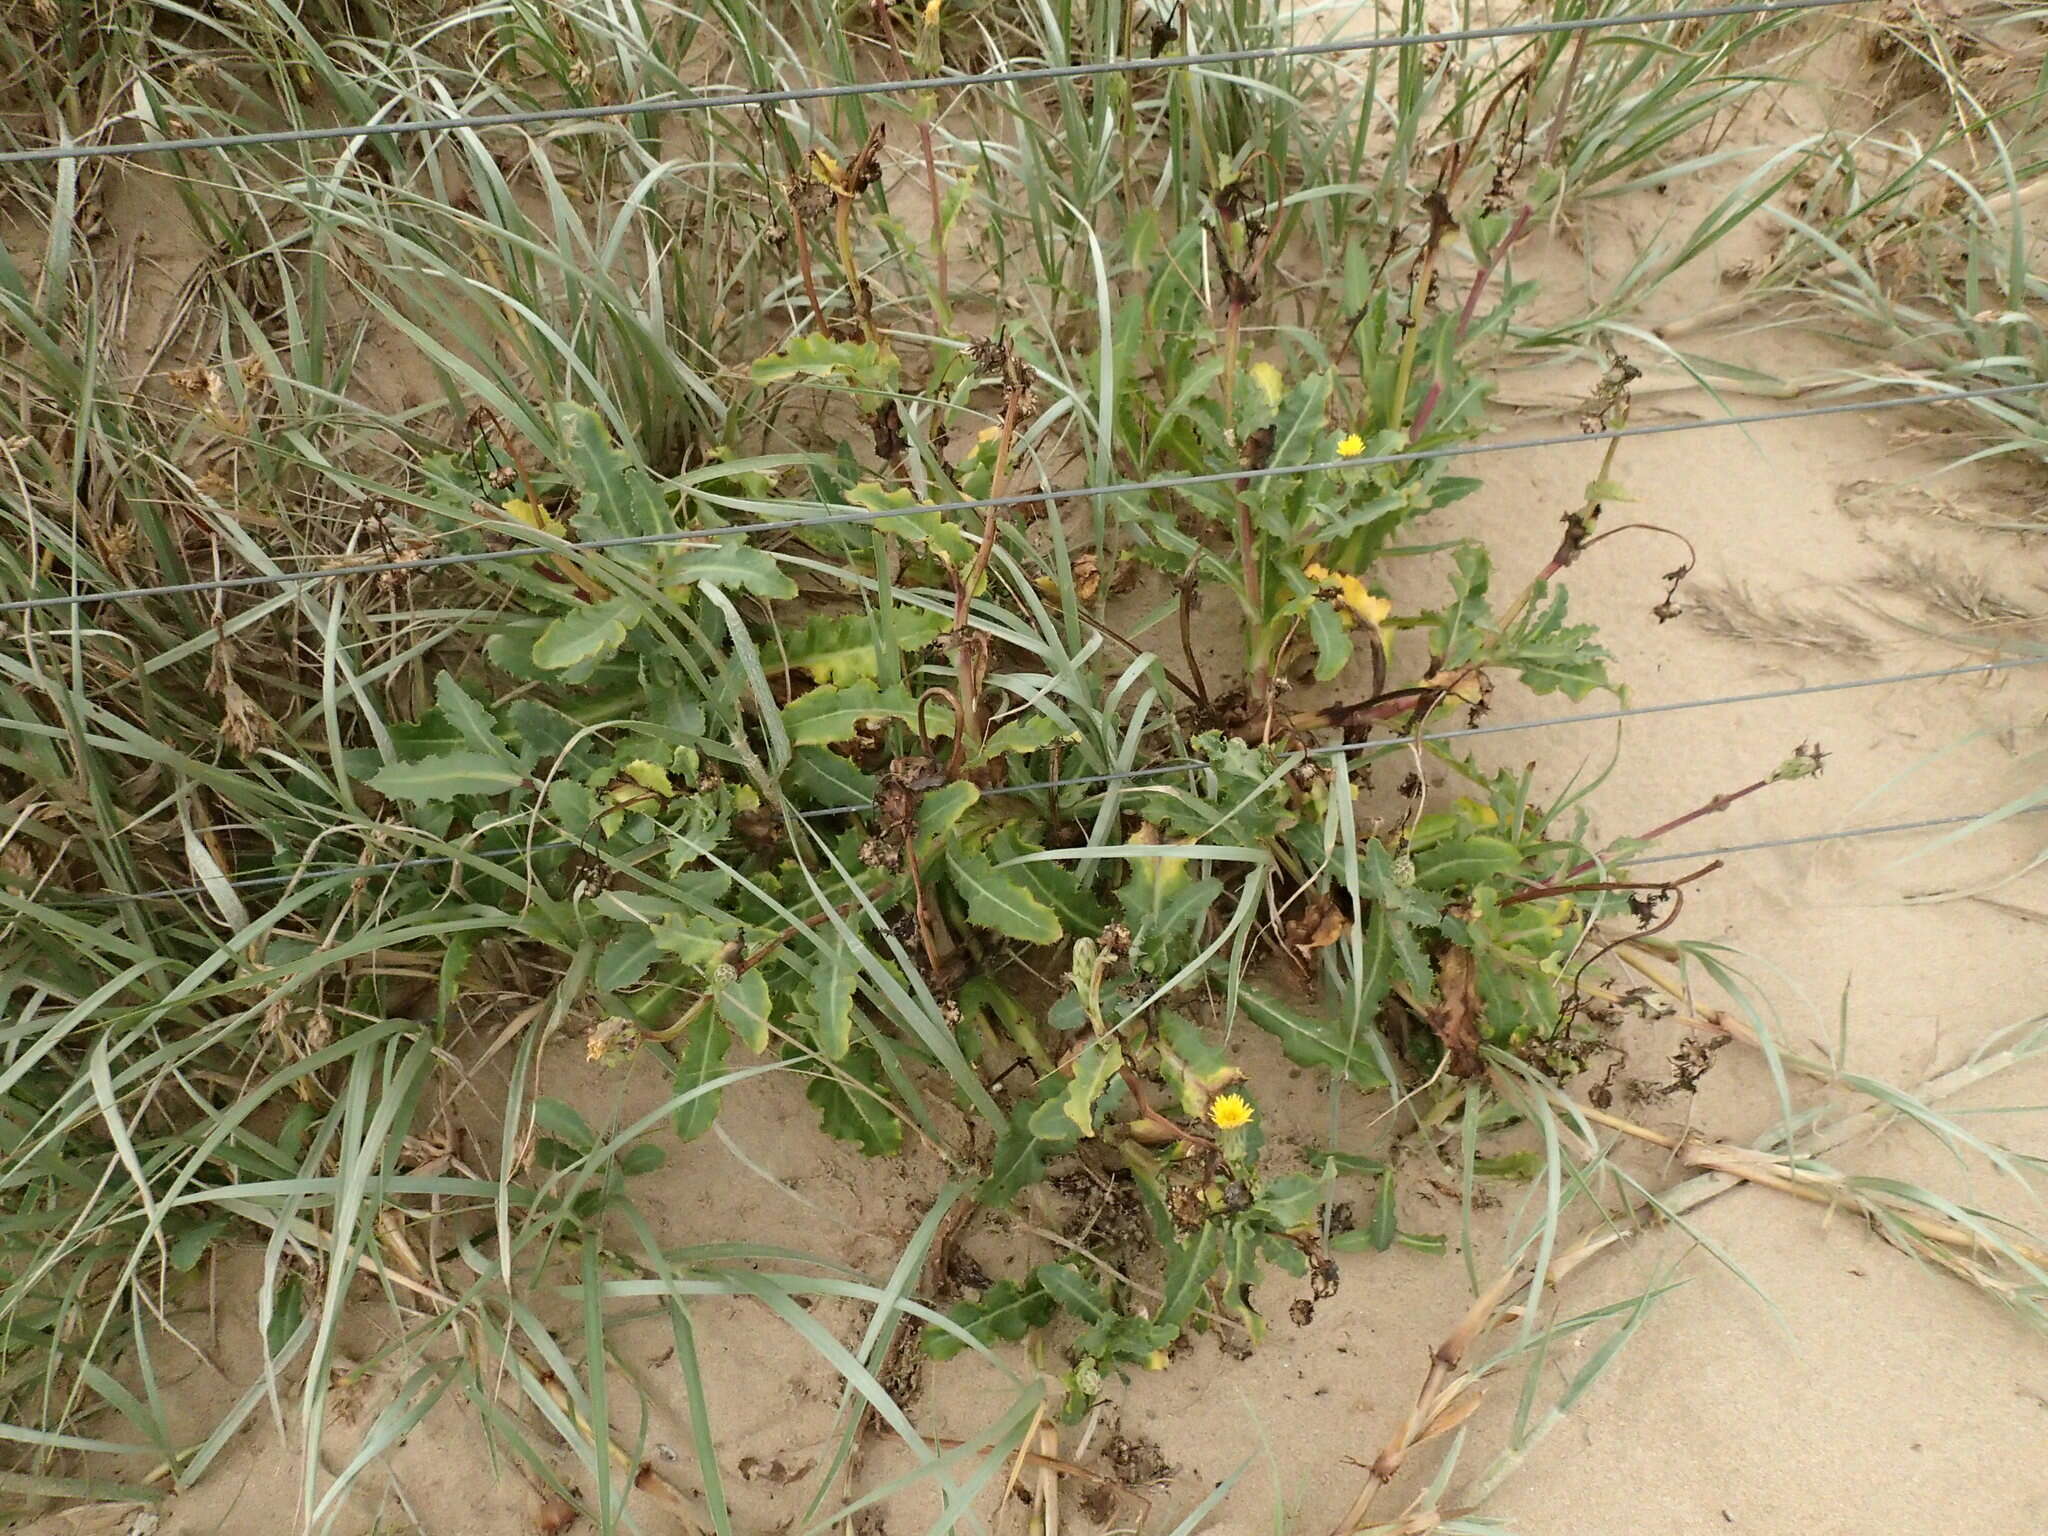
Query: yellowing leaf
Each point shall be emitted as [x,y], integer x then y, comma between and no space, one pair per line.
[1357,599]
[533,516]
[1269,383]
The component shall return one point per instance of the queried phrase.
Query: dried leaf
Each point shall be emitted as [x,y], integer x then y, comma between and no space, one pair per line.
[1455,1018]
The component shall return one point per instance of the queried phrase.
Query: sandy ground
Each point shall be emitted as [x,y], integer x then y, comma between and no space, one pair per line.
[1837,1386]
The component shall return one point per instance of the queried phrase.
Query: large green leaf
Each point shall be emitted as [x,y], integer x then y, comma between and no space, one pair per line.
[1188,1272]
[587,633]
[461,710]
[1458,630]
[446,776]
[700,1059]
[1029,733]
[744,1003]
[845,648]
[1191,1064]
[998,900]
[833,714]
[832,984]
[734,564]
[1053,883]
[1309,1040]
[855,1107]
[1093,1072]
[930,529]
[620,498]
[1077,1296]
[1465,861]
[1005,1313]
[862,363]
[1553,656]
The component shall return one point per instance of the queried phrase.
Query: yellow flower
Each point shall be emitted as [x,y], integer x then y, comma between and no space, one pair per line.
[931,12]
[1352,446]
[1356,598]
[1231,1112]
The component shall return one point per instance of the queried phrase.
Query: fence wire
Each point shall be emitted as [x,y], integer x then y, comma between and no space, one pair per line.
[1189,765]
[1030,75]
[837,518]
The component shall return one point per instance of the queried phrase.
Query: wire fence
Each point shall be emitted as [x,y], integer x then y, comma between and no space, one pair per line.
[1190,766]
[539,547]
[1034,75]
[534,545]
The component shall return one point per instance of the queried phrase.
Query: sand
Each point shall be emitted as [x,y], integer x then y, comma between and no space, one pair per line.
[1835,1386]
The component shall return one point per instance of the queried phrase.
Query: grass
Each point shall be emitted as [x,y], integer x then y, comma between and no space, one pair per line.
[354,352]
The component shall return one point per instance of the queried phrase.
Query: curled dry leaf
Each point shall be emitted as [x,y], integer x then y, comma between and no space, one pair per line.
[1455,1018]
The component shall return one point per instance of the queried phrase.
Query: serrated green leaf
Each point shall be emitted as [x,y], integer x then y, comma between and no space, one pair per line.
[1188,1272]
[1382,885]
[1076,1296]
[1094,1070]
[830,779]
[1031,733]
[1310,1040]
[1124,1336]
[852,1104]
[844,649]
[700,1059]
[587,633]
[1241,1272]
[1005,1313]
[939,812]
[1466,861]
[828,715]
[693,938]
[1191,1064]
[862,363]
[1164,906]
[931,530]
[1553,656]
[619,498]
[1055,885]
[732,564]
[446,776]
[1020,1151]
[999,901]
[626,959]
[1458,630]
[461,710]
[1291,1201]
[744,1004]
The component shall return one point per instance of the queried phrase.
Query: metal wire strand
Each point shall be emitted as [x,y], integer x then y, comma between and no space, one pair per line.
[664,105]
[1189,765]
[1015,499]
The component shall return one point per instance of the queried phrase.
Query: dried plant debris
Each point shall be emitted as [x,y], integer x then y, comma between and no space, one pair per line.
[1950,587]
[2013,509]
[1731,611]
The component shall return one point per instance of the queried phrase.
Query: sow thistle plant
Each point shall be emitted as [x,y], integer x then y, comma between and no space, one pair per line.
[812,850]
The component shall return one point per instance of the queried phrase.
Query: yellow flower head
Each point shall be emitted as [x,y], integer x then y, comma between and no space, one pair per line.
[1352,594]
[1351,446]
[931,12]
[1231,1112]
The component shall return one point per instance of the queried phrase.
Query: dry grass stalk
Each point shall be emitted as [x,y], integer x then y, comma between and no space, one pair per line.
[1951,588]
[1731,611]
